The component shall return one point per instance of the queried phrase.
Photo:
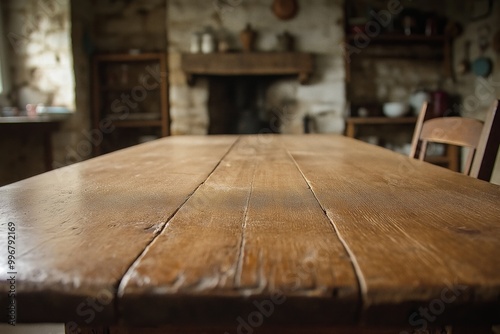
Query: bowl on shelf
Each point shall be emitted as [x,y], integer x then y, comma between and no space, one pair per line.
[395,109]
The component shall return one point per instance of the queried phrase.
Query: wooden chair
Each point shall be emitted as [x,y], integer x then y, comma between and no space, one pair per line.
[481,139]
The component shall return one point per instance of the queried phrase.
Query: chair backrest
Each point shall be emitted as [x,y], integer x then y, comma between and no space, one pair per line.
[482,140]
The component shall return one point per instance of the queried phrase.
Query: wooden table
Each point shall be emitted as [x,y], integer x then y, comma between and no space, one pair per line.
[264,234]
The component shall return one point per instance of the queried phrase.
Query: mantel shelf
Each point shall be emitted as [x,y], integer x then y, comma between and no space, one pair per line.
[251,63]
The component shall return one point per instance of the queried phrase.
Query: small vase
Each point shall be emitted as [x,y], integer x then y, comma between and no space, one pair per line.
[247,38]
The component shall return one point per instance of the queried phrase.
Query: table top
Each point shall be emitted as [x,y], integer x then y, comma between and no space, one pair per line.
[313,229]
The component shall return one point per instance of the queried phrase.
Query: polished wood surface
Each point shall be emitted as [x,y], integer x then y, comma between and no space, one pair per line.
[79,228]
[322,230]
[259,230]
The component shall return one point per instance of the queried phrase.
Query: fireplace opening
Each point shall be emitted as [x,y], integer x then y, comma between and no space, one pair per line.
[245,105]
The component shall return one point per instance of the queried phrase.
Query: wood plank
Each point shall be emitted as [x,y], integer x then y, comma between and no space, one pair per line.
[79,228]
[419,235]
[249,63]
[253,235]
[292,330]
[252,63]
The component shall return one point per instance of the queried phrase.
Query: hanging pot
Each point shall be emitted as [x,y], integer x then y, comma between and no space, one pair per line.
[285,9]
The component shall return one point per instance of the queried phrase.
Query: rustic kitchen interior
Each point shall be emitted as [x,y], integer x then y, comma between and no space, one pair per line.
[117,73]
[88,78]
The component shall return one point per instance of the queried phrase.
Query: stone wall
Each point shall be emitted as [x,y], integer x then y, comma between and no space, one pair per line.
[49,52]
[317,28]
[40,59]
[40,54]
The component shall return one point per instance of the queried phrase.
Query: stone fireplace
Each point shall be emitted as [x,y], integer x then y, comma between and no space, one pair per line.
[243,97]
[212,103]
[239,105]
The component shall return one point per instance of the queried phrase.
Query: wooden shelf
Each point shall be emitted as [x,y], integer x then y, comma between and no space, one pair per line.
[137,123]
[353,122]
[151,110]
[251,63]
[402,39]
[126,57]
[382,120]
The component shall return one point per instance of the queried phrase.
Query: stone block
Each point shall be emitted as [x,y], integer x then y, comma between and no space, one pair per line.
[174,61]
[177,78]
[178,112]
[323,92]
[33,47]
[58,41]
[45,59]
[179,128]
[199,94]
[199,115]
[179,96]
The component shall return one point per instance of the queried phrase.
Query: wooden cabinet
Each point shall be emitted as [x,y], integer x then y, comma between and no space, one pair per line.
[130,102]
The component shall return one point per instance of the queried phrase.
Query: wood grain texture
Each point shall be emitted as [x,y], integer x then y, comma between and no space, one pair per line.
[293,330]
[79,228]
[249,63]
[252,232]
[418,234]
[276,230]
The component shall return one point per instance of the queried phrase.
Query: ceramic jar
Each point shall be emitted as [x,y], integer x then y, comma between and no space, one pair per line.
[247,37]
[207,42]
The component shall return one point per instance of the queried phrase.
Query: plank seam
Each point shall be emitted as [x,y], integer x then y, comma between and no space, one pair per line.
[359,274]
[121,284]
[239,264]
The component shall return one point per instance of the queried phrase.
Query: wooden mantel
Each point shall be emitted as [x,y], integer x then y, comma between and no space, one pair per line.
[252,63]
